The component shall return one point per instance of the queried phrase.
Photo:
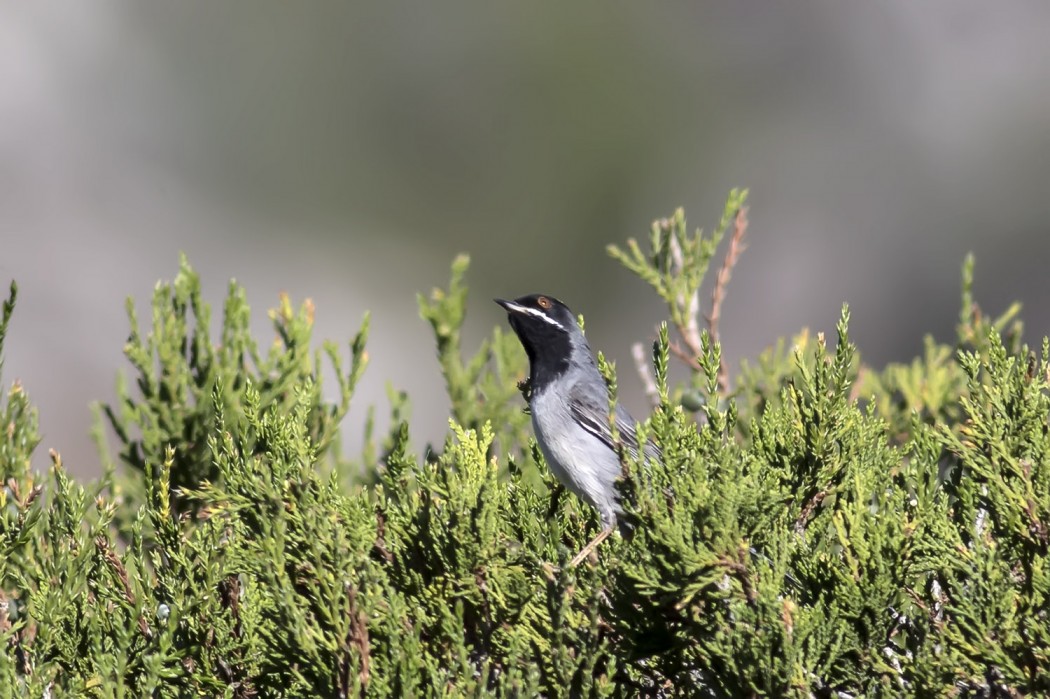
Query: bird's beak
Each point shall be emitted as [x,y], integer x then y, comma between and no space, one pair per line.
[510,306]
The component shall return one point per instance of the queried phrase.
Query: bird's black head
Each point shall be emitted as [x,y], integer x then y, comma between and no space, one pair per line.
[549,333]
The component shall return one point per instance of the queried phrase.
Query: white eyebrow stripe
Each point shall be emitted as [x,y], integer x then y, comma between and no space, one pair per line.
[536,314]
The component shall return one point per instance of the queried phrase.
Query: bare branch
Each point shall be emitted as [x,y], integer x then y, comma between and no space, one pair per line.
[684,355]
[736,248]
[690,331]
[641,363]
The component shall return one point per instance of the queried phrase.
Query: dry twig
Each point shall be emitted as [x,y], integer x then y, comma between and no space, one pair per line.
[641,363]
[725,273]
[690,332]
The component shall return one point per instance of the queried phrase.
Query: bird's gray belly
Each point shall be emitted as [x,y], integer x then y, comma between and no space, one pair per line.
[579,460]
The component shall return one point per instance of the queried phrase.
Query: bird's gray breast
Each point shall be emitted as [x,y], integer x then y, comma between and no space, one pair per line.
[577,458]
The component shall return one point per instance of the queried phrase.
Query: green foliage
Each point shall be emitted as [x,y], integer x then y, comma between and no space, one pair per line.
[484,388]
[822,528]
[677,261]
[180,369]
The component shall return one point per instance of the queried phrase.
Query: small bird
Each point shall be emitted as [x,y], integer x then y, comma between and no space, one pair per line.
[570,407]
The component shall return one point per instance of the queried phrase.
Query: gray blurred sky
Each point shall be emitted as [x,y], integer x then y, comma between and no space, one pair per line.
[346,153]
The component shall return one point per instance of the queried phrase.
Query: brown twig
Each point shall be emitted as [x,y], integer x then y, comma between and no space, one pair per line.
[230,594]
[380,542]
[357,638]
[233,668]
[683,354]
[725,273]
[736,248]
[807,511]
[739,570]
[5,622]
[102,545]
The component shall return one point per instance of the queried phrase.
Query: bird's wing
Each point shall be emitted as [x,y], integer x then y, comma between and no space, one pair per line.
[590,410]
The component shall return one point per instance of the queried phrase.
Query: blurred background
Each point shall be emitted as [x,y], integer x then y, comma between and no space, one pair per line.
[347,153]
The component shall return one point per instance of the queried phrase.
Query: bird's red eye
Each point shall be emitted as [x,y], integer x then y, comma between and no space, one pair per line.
[543,302]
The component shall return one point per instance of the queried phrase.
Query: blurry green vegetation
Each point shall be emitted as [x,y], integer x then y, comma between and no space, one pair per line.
[820,529]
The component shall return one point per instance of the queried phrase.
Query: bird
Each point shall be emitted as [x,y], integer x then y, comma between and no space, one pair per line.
[568,400]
